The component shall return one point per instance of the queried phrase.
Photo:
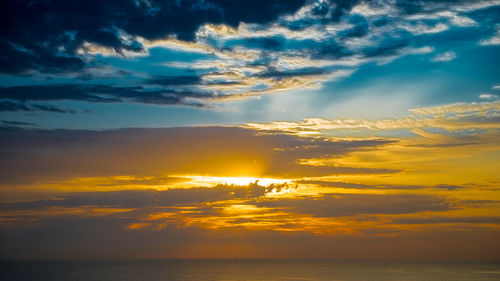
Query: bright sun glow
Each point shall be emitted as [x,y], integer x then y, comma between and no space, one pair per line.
[203,180]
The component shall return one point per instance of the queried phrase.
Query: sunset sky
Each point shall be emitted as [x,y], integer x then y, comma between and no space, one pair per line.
[252,129]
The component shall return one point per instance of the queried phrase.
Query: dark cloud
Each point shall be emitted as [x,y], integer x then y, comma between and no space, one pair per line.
[448,186]
[97,93]
[15,59]
[51,108]
[445,219]
[478,203]
[388,46]
[148,199]
[416,6]
[107,237]
[380,22]
[17,123]
[337,205]
[175,80]
[190,82]
[28,155]
[20,106]
[330,49]
[39,222]
[14,106]
[360,28]
[44,35]
[341,7]
[380,186]
[409,7]
[276,74]
[57,92]
[126,199]
[272,43]
[450,144]
[40,231]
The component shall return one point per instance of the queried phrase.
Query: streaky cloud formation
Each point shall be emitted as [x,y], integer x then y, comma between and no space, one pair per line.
[172,150]
[452,118]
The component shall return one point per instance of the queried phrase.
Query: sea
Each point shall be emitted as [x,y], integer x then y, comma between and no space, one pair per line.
[247,269]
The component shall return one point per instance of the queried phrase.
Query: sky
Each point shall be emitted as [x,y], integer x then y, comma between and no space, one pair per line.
[252,129]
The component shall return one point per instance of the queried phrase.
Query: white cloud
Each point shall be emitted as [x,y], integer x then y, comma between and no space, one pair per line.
[452,17]
[425,29]
[495,40]
[487,96]
[467,7]
[450,117]
[446,56]
[462,21]
[367,10]
[458,108]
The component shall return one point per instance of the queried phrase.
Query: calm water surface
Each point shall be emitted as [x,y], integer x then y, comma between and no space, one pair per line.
[156,270]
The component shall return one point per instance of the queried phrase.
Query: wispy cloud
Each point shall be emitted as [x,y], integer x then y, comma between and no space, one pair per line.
[446,56]
[452,118]
[487,96]
[494,40]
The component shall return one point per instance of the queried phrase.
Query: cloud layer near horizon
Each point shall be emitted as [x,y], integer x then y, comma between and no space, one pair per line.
[196,185]
[218,151]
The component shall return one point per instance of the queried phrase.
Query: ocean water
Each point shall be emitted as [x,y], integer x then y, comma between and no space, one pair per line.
[243,269]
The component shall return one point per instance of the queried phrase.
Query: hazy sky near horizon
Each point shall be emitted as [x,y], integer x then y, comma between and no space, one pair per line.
[214,128]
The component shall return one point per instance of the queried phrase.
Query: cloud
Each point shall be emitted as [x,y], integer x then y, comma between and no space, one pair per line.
[13,106]
[488,96]
[494,40]
[451,16]
[425,29]
[114,26]
[241,49]
[451,118]
[338,205]
[445,219]
[191,90]
[148,200]
[42,155]
[51,108]
[96,93]
[7,106]
[127,199]
[218,208]
[446,56]
[17,123]
[221,206]
[105,237]
[458,108]
[348,185]
[175,80]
